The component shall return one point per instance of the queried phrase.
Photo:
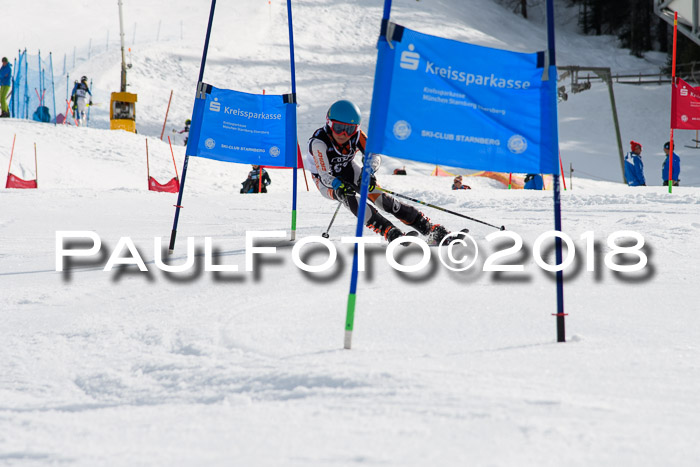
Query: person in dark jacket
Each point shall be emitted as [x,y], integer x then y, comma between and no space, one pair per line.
[676,166]
[185,130]
[534,182]
[79,96]
[634,167]
[458,185]
[5,83]
[253,184]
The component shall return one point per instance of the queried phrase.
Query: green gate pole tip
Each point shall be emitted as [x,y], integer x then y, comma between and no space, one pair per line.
[294,225]
[349,321]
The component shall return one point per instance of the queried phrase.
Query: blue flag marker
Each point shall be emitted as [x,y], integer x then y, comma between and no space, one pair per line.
[234,126]
[446,102]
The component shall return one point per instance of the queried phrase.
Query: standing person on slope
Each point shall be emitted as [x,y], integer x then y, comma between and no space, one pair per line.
[5,83]
[336,174]
[676,167]
[634,167]
[78,96]
[185,130]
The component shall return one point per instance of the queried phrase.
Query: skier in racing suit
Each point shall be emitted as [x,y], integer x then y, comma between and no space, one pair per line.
[336,175]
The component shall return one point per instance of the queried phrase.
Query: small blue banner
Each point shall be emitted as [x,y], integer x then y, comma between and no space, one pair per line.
[234,126]
[452,103]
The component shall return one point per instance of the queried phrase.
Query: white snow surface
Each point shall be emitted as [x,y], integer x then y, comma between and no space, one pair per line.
[247,368]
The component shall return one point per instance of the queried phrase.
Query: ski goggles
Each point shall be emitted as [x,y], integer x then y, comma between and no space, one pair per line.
[339,128]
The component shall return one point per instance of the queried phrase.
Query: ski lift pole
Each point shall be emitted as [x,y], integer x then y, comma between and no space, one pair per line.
[571,175]
[121,35]
[178,206]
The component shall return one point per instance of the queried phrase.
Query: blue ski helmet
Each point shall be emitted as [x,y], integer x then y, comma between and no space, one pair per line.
[345,112]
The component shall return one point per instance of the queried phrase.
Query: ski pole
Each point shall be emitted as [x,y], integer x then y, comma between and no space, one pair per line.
[325,234]
[439,208]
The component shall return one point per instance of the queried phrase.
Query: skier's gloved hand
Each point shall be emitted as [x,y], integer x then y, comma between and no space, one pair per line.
[337,183]
[372,182]
[90,103]
[341,187]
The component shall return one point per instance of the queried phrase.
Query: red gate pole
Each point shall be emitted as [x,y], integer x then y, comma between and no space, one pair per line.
[172,154]
[166,115]
[561,166]
[673,83]
[12,153]
[148,167]
[36,168]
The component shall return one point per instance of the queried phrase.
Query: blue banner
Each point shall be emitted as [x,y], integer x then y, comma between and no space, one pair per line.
[447,102]
[234,126]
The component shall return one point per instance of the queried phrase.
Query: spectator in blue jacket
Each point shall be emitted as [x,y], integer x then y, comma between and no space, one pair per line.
[534,182]
[5,82]
[676,167]
[634,167]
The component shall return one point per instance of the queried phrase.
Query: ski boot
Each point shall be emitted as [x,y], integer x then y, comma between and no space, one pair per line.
[392,233]
[434,232]
[437,233]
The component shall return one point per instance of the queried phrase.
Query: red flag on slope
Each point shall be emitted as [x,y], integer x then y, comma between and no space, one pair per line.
[13,181]
[173,186]
[685,106]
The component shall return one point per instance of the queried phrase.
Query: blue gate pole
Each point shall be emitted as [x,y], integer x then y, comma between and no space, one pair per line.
[26,84]
[15,81]
[173,234]
[53,88]
[294,93]
[364,189]
[561,328]
[41,81]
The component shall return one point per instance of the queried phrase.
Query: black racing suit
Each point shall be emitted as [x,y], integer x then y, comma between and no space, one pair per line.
[331,161]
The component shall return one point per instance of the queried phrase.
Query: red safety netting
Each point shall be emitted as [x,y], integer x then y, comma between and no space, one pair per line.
[13,181]
[173,186]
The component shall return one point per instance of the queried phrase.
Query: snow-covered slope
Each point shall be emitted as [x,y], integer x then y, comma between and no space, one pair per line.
[335,58]
[246,368]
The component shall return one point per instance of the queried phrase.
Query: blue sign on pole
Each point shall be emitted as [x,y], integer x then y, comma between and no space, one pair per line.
[447,102]
[234,126]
